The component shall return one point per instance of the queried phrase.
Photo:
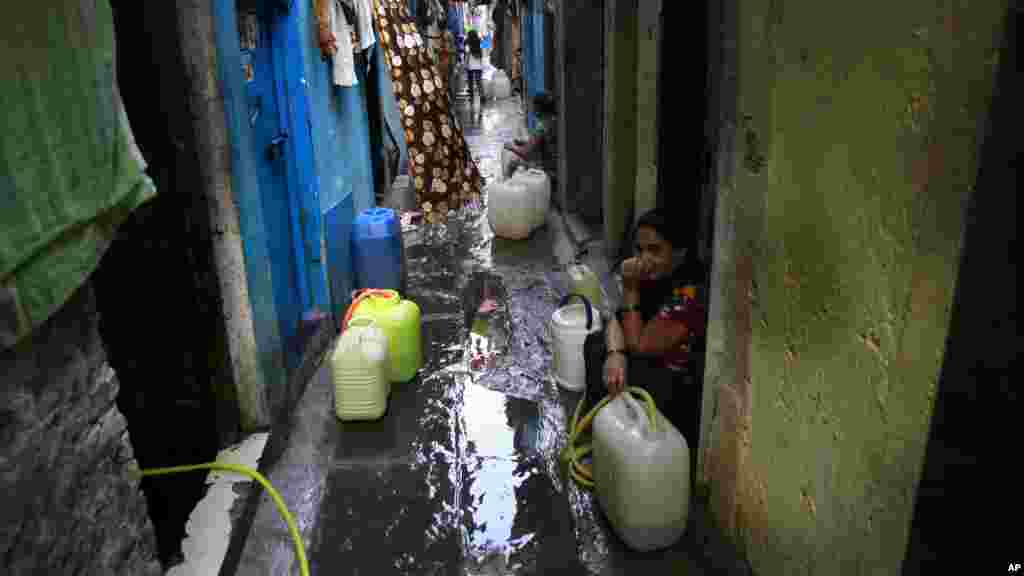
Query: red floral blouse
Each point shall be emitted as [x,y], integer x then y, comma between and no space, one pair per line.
[682,307]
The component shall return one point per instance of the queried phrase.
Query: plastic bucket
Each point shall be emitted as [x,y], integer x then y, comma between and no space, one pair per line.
[570,326]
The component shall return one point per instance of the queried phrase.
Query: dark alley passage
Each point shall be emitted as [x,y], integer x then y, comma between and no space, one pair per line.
[507,287]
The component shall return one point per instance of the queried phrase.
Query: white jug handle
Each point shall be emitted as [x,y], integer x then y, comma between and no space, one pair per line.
[633,408]
[651,408]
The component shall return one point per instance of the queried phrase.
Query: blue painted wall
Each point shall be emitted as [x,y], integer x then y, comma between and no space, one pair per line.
[245,187]
[337,240]
[329,164]
[340,138]
[301,127]
[532,30]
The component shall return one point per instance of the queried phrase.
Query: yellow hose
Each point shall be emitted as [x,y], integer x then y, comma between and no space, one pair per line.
[571,454]
[300,551]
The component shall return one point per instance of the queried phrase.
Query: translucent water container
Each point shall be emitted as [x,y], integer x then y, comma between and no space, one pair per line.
[359,370]
[538,186]
[641,472]
[510,209]
[583,280]
[570,326]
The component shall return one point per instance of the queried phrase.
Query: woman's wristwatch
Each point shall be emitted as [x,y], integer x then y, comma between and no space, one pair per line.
[611,351]
[630,308]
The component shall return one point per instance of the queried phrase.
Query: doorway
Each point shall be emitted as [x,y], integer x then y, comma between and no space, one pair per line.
[582,24]
[684,151]
[262,42]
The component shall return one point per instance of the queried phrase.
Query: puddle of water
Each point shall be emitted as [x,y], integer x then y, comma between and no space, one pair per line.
[496,425]
[510,498]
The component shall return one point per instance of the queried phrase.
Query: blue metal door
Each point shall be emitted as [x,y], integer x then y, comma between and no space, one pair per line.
[267,114]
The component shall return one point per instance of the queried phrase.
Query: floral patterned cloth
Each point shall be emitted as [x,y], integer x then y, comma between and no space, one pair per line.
[682,307]
[443,172]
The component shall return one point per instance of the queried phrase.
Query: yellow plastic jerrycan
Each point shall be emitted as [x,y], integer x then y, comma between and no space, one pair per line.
[400,320]
[360,371]
[583,281]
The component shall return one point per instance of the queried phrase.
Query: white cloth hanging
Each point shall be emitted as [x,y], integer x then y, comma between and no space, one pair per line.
[364,24]
[343,62]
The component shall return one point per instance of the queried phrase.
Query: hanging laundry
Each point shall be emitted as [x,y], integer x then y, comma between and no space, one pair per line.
[364,24]
[343,61]
[444,174]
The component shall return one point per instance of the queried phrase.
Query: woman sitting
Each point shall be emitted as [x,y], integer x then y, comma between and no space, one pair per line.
[647,344]
[538,149]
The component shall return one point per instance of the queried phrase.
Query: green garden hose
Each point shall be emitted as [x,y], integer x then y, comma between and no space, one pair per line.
[572,453]
[300,551]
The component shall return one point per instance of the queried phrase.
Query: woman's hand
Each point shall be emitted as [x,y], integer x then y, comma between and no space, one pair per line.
[326,39]
[633,270]
[636,269]
[615,374]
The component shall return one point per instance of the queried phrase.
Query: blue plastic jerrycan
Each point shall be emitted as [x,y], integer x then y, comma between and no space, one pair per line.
[378,253]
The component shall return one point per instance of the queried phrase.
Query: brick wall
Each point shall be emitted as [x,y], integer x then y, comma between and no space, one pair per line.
[69,505]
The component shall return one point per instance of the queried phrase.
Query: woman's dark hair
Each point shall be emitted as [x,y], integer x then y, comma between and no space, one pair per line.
[544,103]
[658,220]
[691,269]
[473,41]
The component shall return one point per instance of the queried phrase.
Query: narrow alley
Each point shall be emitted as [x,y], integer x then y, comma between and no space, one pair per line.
[461,476]
[796,220]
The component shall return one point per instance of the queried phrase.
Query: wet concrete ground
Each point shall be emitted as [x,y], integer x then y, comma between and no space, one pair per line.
[461,476]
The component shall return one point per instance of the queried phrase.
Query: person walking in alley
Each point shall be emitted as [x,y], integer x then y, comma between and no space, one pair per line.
[647,343]
[538,149]
[474,65]
[443,171]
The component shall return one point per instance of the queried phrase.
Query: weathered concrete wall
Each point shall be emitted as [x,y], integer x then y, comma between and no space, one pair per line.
[646,187]
[160,277]
[70,506]
[836,253]
[207,101]
[978,385]
[620,136]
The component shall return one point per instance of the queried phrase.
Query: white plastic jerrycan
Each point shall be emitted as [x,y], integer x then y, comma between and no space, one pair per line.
[570,326]
[360,369]
[510,209]
[641,469]
[538,185]
[502,85]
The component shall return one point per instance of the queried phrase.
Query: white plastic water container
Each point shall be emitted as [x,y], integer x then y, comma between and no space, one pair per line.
[570,326]
[506,161]
[539,186]
[360,369]
[501,86]
[509,209]
[641,474]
